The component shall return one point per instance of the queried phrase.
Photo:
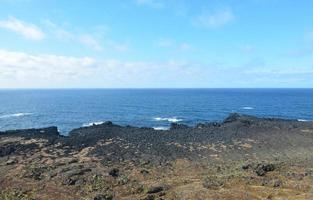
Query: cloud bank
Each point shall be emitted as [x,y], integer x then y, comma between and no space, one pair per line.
[18,69]
[24,70]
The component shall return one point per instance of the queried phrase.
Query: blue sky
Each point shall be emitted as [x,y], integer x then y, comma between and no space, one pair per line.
[156,43]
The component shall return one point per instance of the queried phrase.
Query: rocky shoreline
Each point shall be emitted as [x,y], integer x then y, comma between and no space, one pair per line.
[243,157]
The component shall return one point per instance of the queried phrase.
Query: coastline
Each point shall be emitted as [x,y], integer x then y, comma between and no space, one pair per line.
[242,157]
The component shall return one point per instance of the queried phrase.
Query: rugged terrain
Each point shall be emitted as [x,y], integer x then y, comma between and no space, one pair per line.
[243,157]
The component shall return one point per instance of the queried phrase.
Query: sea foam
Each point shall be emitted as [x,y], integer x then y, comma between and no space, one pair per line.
[14,115]
[303,120]
[247,108]
[169,119]
[92,124]
[161,128]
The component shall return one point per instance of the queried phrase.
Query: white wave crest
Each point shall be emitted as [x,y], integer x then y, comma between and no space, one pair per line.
[303,120]
[169,119]
[161,128]
[15,115]
[247,108]
[92,124]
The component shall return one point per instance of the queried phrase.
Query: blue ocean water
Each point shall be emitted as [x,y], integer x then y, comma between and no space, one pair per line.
[156,108]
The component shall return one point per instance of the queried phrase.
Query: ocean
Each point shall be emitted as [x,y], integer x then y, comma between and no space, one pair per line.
[72,108]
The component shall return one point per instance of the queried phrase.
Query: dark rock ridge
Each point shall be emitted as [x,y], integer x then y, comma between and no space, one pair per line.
[52,132]
[49,132]
[261,137]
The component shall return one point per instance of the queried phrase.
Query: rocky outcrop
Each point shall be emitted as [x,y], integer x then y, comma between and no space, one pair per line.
[49,132]
[175,126]
[260,168]
[261,136]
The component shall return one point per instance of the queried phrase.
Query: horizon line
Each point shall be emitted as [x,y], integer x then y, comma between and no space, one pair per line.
[152,88]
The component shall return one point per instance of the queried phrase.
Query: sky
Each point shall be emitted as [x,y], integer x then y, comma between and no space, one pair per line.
[156,44]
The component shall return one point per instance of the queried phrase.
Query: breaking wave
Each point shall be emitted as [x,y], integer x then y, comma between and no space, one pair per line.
[15,115]
[169,119]
[247,108]
[161,128]
[92,124]
[303,120]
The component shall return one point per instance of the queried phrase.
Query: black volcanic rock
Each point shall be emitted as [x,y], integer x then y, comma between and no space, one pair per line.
[113,143]
[262,169]
[15,148]
[232,117]
[208,125]
[245,119]
[114,172]
[49,132]
[175,126]
[155,189]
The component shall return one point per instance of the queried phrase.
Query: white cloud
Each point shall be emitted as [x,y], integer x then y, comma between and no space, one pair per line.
[86,39]
[91,40]
[24,70]
[57,31]
[29,31]
[24,66]
[214,20]
[18,69]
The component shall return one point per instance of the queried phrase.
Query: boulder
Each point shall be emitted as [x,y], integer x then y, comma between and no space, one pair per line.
[114,172]
[155,189]
[262,169]
[175,126]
